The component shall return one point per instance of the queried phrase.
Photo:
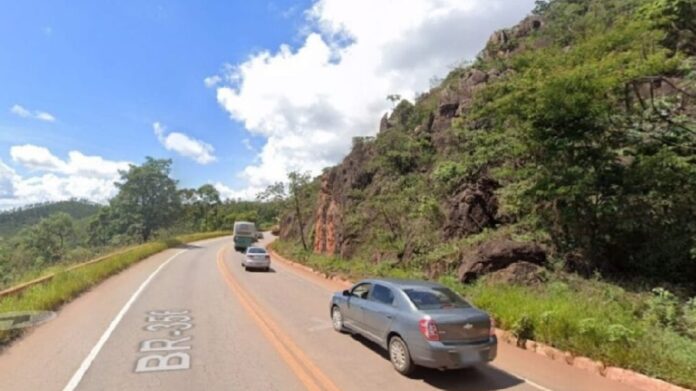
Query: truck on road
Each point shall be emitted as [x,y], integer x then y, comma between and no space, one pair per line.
[244,235]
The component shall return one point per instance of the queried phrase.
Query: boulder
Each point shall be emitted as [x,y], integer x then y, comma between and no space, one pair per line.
[499,38]
[448,110]
[497,255]
[472,209]
[528,26]
[477,77]
[519,273]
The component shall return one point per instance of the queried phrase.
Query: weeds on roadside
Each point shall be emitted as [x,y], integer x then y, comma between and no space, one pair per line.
[66,285]
[650,334]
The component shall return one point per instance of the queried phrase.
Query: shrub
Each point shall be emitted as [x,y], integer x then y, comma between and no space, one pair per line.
[449,175]
[663,308]
[618,333]
[523,328]
[689,318]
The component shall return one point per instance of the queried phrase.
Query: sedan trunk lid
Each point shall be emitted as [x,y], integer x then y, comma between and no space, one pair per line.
[461,325]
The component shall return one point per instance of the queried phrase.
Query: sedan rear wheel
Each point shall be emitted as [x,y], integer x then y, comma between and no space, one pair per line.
[400,356]
[337,319]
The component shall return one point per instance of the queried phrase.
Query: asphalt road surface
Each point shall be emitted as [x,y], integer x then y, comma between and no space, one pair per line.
[192,319]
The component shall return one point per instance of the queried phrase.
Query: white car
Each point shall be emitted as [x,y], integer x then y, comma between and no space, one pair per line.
[256,258]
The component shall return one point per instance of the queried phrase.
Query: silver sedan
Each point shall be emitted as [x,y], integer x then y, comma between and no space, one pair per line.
[256,258]
[419,323]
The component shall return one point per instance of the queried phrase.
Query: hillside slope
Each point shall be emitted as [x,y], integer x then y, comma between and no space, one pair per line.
[13,221]
[552,182]
[570,139]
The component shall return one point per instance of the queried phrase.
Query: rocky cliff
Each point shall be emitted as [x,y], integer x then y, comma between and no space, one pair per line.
[472,208]
[450,177]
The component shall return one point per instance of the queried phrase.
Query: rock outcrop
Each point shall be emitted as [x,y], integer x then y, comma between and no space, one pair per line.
[330,236]
[472,209]
[327,219]
[498,255]
[519,273]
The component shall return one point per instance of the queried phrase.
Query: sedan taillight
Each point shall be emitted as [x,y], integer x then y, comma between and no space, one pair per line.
[429,329]
[491,332]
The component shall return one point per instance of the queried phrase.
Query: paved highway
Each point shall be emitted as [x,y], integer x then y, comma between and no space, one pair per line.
[193,319]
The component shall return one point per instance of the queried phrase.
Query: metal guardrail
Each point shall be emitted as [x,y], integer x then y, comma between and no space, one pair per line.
[25,285]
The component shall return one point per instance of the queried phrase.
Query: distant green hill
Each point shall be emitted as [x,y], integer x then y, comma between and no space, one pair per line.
[13,221]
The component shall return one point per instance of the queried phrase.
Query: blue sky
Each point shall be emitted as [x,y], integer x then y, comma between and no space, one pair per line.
[108,70]
[285,78]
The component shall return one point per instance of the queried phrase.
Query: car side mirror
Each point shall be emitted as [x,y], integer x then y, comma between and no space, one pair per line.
[346,293]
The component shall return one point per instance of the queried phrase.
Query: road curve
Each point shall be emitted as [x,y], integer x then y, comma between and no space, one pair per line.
[191,318]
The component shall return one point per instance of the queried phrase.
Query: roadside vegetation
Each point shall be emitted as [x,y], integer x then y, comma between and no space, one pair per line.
[649,332]
[148,215]
[47,238]
[66,285]
[13,221]
[567,149]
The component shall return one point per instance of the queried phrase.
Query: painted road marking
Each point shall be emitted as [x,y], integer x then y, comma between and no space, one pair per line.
[80,373]
[306,371]
[292,272]
[531,383]
[536,385]
[158,362]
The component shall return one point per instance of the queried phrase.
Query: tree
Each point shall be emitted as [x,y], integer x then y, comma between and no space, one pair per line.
[201,208]
[394,99]
[100,228]
[540,7]
[49,238]
[208,195]
[273,193]
[271,201]
[297,188]
[147,198]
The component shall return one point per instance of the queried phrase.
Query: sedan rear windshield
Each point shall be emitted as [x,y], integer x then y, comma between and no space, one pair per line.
[255,250]
[435,298]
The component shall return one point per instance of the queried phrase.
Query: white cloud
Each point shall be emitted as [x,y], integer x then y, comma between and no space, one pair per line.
[227,193]
[36,158]
[52,179]
[44,116]
[20,111]
[184,145]
[37,114]
[311,101]
[212,81]
[93,166]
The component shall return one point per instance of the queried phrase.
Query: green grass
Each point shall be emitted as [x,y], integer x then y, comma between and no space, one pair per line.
[590,318]
[587,317]
[333,266]
[65,286]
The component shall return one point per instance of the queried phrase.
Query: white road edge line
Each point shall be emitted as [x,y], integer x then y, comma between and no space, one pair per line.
[524,379]
[77,377]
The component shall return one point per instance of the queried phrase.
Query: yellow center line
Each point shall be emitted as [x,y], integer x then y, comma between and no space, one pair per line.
[307,372]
